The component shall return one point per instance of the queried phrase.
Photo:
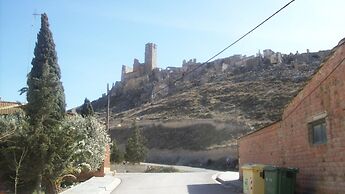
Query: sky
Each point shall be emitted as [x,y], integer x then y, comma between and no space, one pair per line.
[95,38]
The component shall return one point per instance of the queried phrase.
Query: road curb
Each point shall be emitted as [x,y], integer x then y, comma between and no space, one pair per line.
[227,184]
[95,185]
[216,178]
[111,186]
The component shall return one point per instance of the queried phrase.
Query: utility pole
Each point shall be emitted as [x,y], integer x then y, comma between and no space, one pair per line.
[106,161]
[108,108]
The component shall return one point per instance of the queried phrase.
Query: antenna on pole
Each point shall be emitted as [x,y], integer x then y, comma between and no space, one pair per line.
[35,14]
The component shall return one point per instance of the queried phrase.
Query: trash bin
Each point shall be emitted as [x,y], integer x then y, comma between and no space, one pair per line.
[253,181]
[279,180]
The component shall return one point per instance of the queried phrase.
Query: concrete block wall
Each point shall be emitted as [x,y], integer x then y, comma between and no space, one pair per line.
[322,167]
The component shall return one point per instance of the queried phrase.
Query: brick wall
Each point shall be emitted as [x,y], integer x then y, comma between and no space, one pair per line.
[286,143]
[261,147]
[107,159]
[105,168]
[7,108]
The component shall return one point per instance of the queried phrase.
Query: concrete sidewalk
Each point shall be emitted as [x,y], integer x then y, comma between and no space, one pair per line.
[95,185]
[230,180]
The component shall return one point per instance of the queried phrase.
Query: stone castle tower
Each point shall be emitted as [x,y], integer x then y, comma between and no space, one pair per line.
[150,56]
[139,69]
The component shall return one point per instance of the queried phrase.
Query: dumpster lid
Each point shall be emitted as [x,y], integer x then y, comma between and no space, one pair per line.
[274,168]
[246,166]
[258,166]
[289,169]
[271,168]
[253,166]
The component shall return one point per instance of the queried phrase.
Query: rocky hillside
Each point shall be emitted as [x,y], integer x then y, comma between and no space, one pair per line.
[254,92]
[210,107]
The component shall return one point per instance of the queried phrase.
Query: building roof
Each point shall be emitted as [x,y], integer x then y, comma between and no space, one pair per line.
[7,108]
[264,127]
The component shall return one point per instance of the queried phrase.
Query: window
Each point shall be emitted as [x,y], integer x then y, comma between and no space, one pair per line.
[318,133]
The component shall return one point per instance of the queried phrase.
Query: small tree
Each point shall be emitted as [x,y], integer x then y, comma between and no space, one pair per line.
[18,168]
[13,150]
[87,109]
[115,153]
[83,145]
[135,148]
[90,141]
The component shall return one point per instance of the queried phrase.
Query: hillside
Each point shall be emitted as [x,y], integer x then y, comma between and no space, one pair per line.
[209,108]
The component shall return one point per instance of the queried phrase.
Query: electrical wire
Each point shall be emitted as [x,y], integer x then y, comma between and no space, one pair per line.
[226,48]
[314,89]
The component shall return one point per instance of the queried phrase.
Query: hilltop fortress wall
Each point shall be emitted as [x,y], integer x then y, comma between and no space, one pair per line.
[150,67]
[145,82]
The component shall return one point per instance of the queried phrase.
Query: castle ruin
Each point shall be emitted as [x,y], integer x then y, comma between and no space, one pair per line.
[140,69]
[145,82]
[274,58]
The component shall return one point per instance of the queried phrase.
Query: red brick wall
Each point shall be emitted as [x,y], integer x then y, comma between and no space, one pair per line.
[106,163]
[322,167]
[261,147]
[107,157]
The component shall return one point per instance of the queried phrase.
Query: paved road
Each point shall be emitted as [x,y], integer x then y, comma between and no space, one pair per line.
[181,168]
[169,183]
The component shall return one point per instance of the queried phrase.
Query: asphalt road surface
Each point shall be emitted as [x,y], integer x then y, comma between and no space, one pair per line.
[169,183]
[181,168]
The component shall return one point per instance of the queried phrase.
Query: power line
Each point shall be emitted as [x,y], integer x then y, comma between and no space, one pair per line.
[314,89]
[233,43]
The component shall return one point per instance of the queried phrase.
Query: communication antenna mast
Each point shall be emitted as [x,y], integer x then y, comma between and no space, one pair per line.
[35,14]
[29,41]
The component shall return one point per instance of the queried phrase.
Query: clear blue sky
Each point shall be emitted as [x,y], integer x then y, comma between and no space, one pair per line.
[94,38]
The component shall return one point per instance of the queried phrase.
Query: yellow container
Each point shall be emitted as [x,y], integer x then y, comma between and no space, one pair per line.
[253,181]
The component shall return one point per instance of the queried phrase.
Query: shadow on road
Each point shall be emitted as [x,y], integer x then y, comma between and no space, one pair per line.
[234,185]
[208,188]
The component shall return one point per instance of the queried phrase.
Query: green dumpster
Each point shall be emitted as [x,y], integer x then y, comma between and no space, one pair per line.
[279,180]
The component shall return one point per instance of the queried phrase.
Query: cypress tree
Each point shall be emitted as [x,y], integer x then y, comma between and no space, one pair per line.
[135,148]
[46,110]
[45,95]
[87,109]
[115,153]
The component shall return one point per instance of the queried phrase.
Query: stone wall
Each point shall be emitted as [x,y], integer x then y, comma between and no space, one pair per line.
[135,83]
[287,143]
[141,69]
[150,56]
